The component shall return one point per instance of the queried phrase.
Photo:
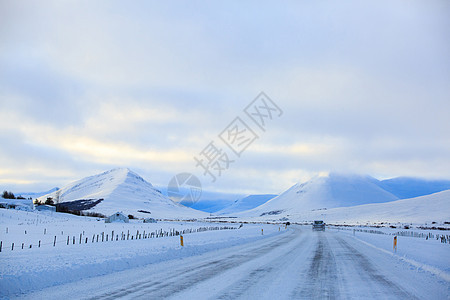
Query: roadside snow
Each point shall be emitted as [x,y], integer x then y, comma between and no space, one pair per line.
[429,255]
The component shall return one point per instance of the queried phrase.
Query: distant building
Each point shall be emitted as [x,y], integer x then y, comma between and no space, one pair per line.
[18,204]
[117,217]
[44,207]
[150,220]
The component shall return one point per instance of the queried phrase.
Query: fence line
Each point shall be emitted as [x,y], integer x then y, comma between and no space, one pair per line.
[444,238]
[124,236]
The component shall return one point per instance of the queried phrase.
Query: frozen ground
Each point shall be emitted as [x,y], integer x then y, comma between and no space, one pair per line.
[296,263]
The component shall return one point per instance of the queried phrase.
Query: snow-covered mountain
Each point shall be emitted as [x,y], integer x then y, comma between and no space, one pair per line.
[350,199]
[120,190]
[214,201]
[246,203]
[325,192]
[419,210]
[407,187]
[210,201]
[37,194]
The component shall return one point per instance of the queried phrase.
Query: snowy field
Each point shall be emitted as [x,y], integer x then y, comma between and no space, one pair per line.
[23,270]
[255,261]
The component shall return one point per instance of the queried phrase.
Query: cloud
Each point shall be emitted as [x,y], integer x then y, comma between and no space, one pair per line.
[88,86]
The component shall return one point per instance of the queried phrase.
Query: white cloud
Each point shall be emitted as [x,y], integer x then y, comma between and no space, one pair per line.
[87,86]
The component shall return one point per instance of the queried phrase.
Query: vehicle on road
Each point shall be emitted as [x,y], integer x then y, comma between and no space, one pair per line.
[318,225]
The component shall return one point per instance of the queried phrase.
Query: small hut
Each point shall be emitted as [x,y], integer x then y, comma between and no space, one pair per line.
[117,217]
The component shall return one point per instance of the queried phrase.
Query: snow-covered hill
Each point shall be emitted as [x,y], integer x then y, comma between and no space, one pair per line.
[419,210]
[325,192]
[246,203]
[121,190]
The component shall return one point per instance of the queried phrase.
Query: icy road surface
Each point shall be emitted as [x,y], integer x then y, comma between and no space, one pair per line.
[298,264]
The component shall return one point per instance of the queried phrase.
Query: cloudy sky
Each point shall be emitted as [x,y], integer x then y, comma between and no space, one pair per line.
[86,86]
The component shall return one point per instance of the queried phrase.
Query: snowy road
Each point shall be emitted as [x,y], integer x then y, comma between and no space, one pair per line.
[298,264]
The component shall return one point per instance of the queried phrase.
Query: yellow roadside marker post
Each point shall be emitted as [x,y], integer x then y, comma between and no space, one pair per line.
[395,243]
[181,241]
[262,231]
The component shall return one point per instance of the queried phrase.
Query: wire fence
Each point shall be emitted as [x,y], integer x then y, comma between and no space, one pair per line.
[112,236]
[443,238]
